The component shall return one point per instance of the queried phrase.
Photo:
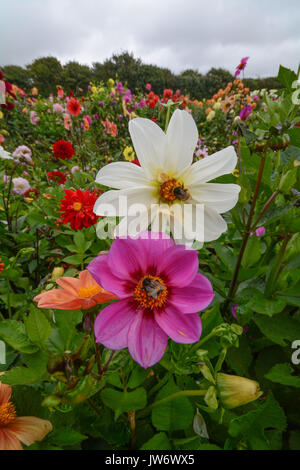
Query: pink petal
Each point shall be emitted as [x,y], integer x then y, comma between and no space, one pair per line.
[57,299]
[5,393]
[8,441]
[146,340]
[194,297]
[126,259]
[179,327]
[179,265]
[29,429]
[113,323]
[154,246]
[100,269]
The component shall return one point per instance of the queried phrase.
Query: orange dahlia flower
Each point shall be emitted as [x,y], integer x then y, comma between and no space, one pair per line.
[75,294]
[13,429]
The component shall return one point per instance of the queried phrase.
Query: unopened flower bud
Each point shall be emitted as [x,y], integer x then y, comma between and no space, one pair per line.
[57,273]
[235,391]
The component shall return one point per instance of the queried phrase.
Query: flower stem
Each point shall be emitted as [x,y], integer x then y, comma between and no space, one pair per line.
[233,285]
[264,209]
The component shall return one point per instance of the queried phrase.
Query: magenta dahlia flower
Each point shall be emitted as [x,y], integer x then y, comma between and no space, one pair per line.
[241,66]
[160,293]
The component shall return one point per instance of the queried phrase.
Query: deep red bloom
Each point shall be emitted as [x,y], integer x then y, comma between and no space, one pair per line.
[9,105]
[1,74]
[63,149]
[32,192]
[152,99]
[77,208]
[9,89]
[168,94]
[57,176]
[74,106]
[136,162]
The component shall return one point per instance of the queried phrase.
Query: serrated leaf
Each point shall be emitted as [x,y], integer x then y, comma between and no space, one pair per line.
[279,328]
[124,401]
[13,333]
[175,414]
[251,426]
[37,326]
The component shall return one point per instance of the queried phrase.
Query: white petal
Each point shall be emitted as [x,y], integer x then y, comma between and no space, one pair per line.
[125,201]
[182,135]
[214,224]
[211,167]
[132,225]
[221,197]
[121,175]
[149,142]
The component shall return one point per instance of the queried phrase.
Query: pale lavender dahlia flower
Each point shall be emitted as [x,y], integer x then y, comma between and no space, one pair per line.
[160,293]
[21,185]
[23,154]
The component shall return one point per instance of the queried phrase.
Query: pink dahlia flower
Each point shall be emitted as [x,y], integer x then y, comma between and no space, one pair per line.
[160,293]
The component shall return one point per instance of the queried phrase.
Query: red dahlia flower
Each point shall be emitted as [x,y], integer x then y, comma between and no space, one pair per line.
[63,149]
[57,176]
[77,208]
[1,266]
[74,107]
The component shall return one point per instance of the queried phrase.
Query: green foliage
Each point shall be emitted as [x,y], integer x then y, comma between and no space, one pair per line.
[97,398]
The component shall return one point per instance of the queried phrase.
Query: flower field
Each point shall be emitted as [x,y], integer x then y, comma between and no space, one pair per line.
[150,268]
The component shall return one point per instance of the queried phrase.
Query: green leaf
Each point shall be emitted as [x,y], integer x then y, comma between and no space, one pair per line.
[175,414]
[281,373]
[279,329]
[287,181]
[80,242]
[66,437]
[294,134]
[37,326]
[267,306]
[137,377]
[286,76]
[124,401]
[225,255]
[35,372]
[252,252]
[291,295]
[251,426]
[73,259]
[159,441]
[66,321]
[13,333]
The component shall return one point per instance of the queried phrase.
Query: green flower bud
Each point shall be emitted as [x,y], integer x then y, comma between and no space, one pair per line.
[57,273]
[235,391]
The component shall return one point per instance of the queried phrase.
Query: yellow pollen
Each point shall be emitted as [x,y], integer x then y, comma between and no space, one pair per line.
[77,206]
[172,189]
[7,414]
[151,297]
[86,292]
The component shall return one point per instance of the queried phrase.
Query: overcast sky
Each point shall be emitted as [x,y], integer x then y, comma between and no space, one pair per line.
[178,34]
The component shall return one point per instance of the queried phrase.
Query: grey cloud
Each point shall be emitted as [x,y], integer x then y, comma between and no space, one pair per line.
[193,34]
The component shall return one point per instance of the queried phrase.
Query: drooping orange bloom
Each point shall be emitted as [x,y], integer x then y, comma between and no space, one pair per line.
[13,429]
[75,294]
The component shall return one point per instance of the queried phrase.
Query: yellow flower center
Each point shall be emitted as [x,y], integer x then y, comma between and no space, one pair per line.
[172,189]
[151,292]
[7,414]
[77,206]
[86,292]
